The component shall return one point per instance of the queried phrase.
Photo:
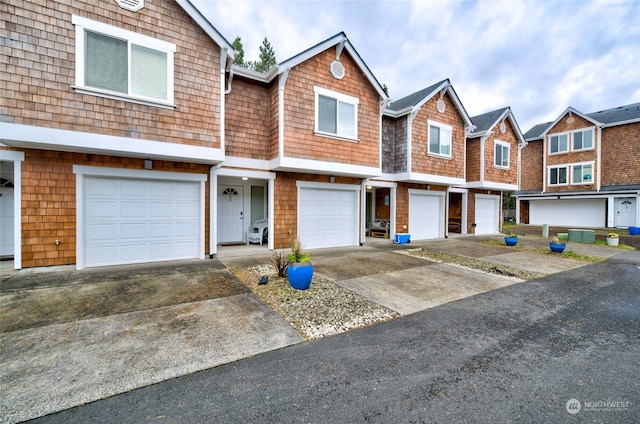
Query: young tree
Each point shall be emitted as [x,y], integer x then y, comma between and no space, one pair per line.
[237,46]
[267,57]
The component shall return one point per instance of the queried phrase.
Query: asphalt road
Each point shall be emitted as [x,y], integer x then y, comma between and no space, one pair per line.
[565,348]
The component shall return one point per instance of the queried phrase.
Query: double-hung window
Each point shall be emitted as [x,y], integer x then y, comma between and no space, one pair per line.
[117,63]
[558,175]
[336,114]
[501,154]
[559,143]
[582,174]
[439,139]
[583,139]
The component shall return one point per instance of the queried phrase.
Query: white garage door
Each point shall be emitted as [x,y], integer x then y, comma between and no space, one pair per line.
[568,213]
[327,217]
[426,215]
[136,220]
[487,214]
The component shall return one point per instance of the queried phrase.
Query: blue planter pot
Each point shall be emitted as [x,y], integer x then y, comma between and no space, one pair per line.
[557,247]
[300,275]
[511,241]
[634,231]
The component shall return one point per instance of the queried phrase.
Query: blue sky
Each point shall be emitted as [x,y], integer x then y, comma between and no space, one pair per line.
[539,57]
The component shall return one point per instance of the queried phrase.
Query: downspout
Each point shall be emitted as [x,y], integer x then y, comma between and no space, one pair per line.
[483,140]
[383,105]
[363,211]
[281,82]
[544,164]
[599,160]
[223,68]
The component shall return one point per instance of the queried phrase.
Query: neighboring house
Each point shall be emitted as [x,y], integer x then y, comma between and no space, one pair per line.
[424,147]
[493,160]
[112,117]
[301,141]
[582,170]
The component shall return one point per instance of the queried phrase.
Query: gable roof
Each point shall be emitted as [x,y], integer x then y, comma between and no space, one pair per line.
[618,115]
[340,41]
[414,102]
[605,118]
[486,122]
[537,131]
[207,27]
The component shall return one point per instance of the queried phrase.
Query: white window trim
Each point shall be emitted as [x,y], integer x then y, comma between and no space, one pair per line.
[442,127]
[319,91]
[502,144]
[83,24]
[569,141]
[567,167]
[573,165]
[593,141]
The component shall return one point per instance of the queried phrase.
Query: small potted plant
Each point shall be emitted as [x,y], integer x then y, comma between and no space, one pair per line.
[556,245]
[300,269]
[511,239]
[613,239]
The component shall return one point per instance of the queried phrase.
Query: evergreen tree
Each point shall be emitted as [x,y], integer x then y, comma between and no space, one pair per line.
[237,46]
[267,57]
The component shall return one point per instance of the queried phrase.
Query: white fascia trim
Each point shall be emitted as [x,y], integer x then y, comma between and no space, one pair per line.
[427,192]
[32,137]
[100,171]
[415,177]
[307,166]
[240,162]
[10,155]
[376,183]
[488,185]
[206,26]
[258,175]
[563,114]
[328,186]
[615,124]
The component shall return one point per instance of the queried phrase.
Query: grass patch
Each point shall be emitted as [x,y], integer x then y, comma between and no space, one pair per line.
[546,251]
[619,246]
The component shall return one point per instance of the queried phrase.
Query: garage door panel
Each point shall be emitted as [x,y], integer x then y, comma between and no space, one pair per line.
[133,221]
[426,213]
[486,218]
[327,217]
[578,213]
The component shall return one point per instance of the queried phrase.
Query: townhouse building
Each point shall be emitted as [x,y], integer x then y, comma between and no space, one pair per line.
[128,136]
[582,170]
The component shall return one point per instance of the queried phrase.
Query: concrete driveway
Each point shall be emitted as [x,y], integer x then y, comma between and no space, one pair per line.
[71,337]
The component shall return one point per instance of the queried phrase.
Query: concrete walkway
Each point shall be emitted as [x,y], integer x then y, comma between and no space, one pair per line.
[71,337]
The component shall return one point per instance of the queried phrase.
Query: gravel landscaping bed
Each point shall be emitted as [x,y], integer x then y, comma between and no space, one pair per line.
[322,310]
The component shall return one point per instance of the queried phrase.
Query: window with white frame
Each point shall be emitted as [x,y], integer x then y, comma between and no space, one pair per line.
[501,154]
[583,139]
[439,139]
[558,175]
[582,173]
[122,64]
[336,114]
[559,143]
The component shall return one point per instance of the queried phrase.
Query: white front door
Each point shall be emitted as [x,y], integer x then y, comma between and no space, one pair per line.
[625,212]
[230,214]
[6,221]
[487,214]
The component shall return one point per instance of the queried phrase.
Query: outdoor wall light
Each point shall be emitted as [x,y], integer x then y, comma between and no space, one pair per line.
[369,187]
[245,178]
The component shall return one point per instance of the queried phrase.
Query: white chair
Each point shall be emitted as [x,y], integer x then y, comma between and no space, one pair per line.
[258,231]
